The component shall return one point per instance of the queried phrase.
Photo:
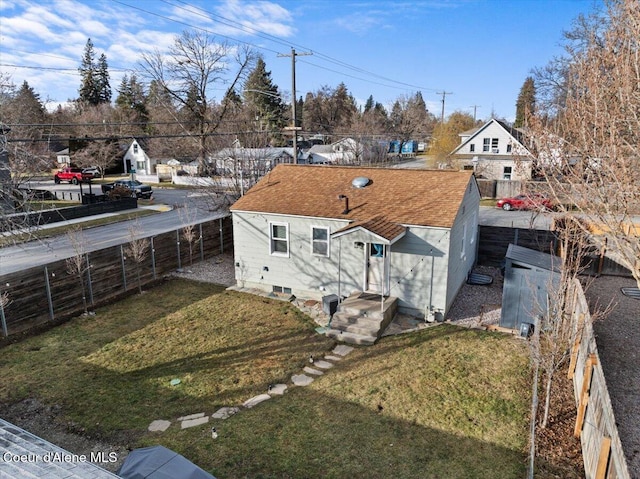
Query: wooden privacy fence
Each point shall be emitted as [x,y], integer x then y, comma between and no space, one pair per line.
[595,422]
[494,242]
[50,293]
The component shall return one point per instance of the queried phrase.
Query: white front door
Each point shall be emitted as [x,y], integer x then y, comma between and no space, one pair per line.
[375,267]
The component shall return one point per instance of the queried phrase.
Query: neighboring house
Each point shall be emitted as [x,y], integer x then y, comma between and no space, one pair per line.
[494,151]
[309,231]
[250,161]
[63,157]
[344,151]
[135,158]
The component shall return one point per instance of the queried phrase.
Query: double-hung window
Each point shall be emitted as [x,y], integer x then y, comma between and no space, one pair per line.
[320,241]
[486,144]
[279,239]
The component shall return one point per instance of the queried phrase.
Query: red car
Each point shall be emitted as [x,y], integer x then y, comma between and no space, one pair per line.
[533,201]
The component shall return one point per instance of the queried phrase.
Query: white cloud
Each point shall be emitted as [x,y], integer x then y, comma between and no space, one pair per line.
[261,16]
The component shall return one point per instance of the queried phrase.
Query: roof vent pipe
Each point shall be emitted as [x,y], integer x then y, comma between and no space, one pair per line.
[346,203]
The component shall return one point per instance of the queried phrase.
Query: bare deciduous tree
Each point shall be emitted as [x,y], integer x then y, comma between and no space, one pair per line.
[78,264]
[196,62]
[137,250]
[189,231]
[589,150]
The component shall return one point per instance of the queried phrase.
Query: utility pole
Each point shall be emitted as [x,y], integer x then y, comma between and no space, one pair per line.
[294,127]
[475,107]
[444,94]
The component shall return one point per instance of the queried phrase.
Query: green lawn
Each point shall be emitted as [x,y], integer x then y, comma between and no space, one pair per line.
[446,402]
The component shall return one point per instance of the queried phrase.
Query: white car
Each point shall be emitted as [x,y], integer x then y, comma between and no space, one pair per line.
[94,171]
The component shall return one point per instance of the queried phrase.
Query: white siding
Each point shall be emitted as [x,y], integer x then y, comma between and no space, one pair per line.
[426,266]
[460,264]
[306,274]
[491,163]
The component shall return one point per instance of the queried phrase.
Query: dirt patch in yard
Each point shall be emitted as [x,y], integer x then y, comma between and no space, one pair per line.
[49,423]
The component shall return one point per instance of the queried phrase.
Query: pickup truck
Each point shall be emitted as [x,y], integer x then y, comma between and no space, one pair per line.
[72,175]
[137,189]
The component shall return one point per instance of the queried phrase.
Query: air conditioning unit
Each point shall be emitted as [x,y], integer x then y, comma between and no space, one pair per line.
[494,150]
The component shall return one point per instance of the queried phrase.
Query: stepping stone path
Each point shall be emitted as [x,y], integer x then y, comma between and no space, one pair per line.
[278,389]
[254,401]
[323,364]
[159,425]
[301,380]
[192,420]
[225,412]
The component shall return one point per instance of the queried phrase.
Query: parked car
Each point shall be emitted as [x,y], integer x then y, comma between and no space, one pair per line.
[72,175]
[534,201]
[137,189]
[94,171]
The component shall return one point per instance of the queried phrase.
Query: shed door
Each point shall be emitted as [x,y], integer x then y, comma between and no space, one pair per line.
[375,267]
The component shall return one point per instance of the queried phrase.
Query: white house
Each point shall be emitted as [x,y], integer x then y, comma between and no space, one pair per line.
[344,151]
[135,158]
[495,151]
[250,161]
[312,232]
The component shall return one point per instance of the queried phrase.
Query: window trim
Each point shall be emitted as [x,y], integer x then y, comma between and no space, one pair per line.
[472,147]
[327,241]
[272,240]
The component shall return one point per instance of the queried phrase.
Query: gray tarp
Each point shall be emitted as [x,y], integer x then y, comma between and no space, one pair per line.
[158,462]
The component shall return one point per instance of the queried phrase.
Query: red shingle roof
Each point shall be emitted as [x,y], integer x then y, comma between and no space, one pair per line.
[411,197]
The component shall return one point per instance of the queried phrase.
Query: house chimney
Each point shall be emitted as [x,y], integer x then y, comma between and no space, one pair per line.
[346,203]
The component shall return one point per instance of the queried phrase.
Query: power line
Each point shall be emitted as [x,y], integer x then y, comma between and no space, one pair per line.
[228,22]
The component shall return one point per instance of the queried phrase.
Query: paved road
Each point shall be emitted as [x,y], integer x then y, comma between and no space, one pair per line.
[490,216]
[40,252]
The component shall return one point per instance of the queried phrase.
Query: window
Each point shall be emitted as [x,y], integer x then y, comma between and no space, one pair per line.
[279,239]
[472,147]
[486,144]
[506,173]
[320,241]
[509,148]
[281,289]
[135,149]
[494,143]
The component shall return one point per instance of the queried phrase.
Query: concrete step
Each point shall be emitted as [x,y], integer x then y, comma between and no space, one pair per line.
[348,319]
[351,338]
[363,330]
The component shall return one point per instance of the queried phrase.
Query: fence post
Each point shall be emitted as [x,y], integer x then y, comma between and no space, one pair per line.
[124,271]
[221,236]
[178,246]
[5,330]
[153,258]
[48,286]
[201,243]
[89,279]
[584,394]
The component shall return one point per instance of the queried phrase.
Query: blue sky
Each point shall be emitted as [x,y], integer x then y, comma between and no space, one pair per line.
[480,51]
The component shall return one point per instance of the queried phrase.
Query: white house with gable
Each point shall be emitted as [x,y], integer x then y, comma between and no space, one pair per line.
[494,151]
[135,158]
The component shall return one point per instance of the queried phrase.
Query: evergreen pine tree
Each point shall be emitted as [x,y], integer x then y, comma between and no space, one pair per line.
[526,103]
[94,77]
[262,95]
[88,88]
[102,80]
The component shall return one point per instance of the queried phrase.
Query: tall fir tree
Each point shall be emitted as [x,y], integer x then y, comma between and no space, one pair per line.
[262,96]
[94,77]
[526,103]
[102,74]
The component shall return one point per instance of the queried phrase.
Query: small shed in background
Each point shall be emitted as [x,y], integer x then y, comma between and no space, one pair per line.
[528,276]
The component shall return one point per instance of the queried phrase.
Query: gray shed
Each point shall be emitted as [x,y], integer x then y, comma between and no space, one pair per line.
[527,278]
[158,462]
